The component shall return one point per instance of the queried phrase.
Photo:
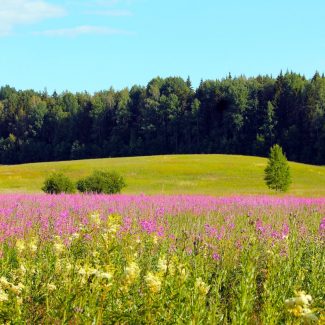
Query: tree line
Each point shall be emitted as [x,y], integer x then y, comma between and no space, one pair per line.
[232,115]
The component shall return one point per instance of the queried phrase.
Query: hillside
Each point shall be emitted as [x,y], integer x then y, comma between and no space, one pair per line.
[175,174]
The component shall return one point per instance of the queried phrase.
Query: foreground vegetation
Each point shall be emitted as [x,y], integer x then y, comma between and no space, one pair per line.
[181,174]
[167,260]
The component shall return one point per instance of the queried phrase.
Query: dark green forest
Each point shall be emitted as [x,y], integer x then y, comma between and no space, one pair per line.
[233,115]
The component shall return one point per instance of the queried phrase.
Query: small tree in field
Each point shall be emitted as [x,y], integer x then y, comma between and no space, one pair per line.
[277,171]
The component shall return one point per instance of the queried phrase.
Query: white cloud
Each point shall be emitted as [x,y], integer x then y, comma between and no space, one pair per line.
[20,12]
[82,30]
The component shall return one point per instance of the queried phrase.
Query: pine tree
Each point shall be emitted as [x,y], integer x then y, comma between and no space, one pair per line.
[277,171]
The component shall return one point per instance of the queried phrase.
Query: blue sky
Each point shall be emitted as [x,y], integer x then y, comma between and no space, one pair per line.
[93,45]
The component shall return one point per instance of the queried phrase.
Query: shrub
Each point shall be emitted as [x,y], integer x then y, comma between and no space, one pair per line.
[58,183]
[277,171]
[101,182]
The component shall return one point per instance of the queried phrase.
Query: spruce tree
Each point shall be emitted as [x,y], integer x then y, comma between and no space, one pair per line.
[277,171]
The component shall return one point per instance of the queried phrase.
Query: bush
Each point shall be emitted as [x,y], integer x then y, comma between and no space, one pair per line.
[101,182]
[58,183]
[277,172]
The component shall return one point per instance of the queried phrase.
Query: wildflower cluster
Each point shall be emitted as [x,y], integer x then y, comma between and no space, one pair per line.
[161,260]
[201,287]
[7,288]
[299,306]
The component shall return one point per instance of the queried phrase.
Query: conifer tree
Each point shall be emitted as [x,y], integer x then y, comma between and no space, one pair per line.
[277,171]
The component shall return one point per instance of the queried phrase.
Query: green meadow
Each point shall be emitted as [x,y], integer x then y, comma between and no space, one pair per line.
[171,174]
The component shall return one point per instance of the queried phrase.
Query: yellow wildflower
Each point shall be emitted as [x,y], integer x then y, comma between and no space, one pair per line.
[87,271]
[112,229]
[155,239]
[108,286]
[299,306]
[114,219]
[105,275]
[58,245]
[308,315]
[22,269]
[95,218]
[183,274]
[290,303]
[51,287]
[75,235]
[33,245]
[4,282]
[153,282]
[297,310]
[202,287]
[68,266]
[20,245]
[132,271]
[17,289]
[302,299]
[3,296]
[162,265]
[33,248]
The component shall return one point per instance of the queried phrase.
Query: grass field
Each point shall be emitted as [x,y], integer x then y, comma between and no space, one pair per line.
[173,174]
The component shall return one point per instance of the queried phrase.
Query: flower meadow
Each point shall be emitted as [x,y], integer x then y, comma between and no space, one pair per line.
[123,259]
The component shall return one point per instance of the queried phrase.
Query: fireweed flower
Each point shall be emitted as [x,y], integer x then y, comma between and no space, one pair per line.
[322,227]
[153,282]
[216,256]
